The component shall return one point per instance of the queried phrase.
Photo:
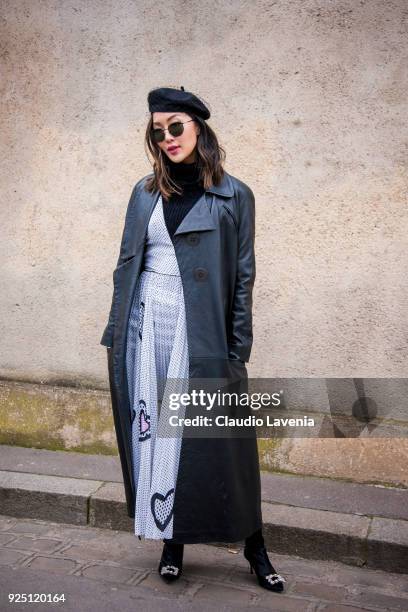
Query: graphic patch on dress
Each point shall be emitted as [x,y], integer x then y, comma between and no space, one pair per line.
[162,508]
[141,315]
[144,422]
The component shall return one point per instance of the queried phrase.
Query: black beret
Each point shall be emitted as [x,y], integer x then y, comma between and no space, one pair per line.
[164,99]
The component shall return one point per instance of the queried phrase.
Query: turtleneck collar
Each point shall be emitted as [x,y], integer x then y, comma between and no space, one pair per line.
[184,173]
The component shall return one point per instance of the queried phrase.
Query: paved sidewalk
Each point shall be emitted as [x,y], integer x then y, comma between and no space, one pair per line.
[316,518]
[100,570]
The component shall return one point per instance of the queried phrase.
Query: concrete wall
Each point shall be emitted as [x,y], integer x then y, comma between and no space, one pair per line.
[309,100]
[80,420]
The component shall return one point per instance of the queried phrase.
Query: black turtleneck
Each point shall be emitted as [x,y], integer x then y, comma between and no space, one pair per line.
[177,206]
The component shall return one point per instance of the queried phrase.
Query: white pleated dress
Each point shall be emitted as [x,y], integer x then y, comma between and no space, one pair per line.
[157,364]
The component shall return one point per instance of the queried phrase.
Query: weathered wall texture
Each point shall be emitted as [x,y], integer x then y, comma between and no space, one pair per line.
[80,420]
[309,100]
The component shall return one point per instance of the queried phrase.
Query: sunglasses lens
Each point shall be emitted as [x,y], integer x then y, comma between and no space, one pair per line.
[176,129]
[157,135]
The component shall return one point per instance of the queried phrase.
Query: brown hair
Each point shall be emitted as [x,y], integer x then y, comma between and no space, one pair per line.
[210,157]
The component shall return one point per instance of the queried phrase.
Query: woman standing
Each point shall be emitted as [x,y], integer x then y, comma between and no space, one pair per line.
[182,311]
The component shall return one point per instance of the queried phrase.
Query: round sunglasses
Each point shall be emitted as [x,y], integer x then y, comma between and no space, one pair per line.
[175,129]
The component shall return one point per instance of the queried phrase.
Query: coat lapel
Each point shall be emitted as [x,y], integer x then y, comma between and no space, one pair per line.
[199,218]
[141,220]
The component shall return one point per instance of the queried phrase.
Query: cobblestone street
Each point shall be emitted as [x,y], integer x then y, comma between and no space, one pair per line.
[99,569]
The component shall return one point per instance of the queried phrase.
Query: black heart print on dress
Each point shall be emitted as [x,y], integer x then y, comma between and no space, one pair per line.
[144,422]
[162,508]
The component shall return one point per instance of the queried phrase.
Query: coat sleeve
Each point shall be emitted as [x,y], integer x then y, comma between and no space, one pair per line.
[107,336]
[240,342]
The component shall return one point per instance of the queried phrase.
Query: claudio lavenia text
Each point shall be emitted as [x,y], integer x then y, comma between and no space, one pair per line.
[223,420]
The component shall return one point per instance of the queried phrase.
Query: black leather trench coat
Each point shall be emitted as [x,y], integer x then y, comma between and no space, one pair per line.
[218,496]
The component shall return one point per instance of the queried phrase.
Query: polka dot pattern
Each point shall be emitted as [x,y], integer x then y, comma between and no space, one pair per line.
[157,365]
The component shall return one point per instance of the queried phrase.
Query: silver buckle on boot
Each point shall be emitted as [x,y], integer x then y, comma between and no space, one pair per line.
[274,578]
[169,569]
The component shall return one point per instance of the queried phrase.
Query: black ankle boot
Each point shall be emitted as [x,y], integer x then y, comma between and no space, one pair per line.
[255,553]
[171,562]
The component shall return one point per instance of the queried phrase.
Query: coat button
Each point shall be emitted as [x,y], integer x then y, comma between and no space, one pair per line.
[193,238]
[200,274]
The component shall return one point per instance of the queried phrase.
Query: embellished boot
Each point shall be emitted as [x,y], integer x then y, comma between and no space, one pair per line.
[256,555]
[171,562]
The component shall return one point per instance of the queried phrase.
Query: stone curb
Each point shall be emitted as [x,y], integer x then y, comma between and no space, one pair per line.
[374,542]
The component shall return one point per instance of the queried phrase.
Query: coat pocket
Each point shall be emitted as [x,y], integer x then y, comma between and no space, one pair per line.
[217,368]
